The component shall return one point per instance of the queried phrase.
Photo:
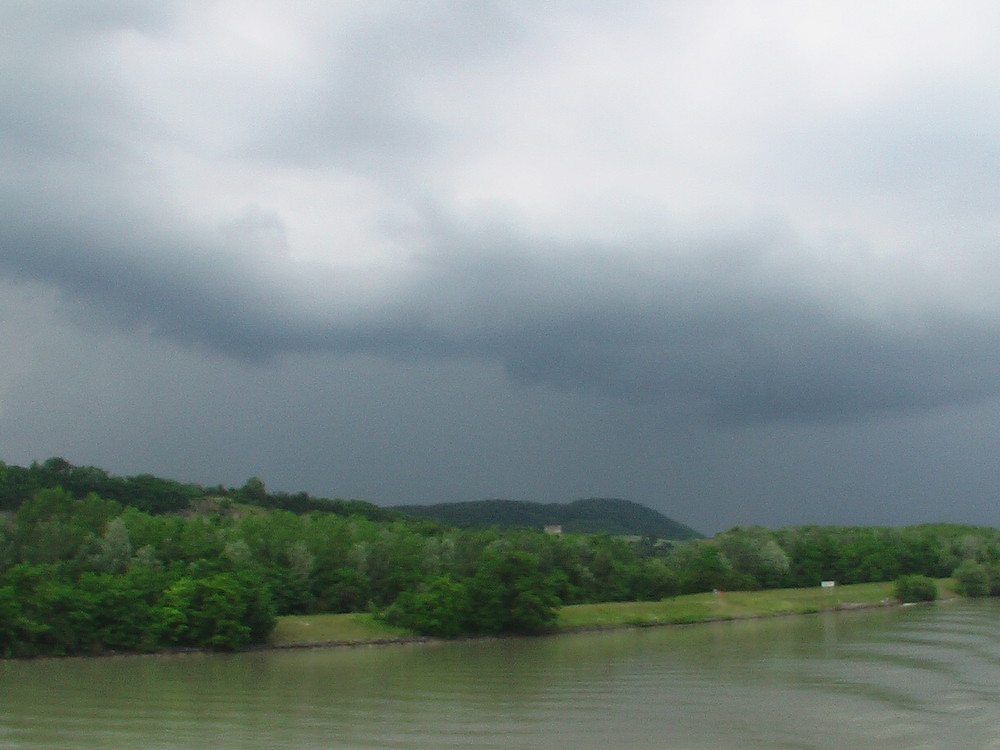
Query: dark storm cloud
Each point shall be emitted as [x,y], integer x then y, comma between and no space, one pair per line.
[713,339]
[710,336]
[759,362]
[659,219]
[222,300]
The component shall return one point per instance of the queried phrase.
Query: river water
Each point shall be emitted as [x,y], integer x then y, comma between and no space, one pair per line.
[913,677]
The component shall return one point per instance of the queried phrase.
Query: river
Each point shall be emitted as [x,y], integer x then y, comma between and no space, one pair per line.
[911,677]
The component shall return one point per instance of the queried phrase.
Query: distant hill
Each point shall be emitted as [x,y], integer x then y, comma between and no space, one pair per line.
[618,517]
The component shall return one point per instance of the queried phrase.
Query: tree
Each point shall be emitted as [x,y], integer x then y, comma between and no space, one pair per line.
[222,611]
[18,633]
[656,581]
[701,567]
[755,554]
[509,595]
[126,611]
[254,491]
[155,495]
[114,548]
[45,505]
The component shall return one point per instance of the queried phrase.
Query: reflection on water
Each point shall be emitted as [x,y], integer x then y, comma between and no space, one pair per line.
[917,677]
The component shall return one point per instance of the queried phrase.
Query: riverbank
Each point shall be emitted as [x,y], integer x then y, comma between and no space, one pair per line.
[301,631]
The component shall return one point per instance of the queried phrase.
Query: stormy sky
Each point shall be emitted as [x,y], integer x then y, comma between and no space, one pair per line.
[737,262]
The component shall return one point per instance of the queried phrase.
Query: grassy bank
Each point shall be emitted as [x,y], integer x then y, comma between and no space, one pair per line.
[347,628]
[729,605]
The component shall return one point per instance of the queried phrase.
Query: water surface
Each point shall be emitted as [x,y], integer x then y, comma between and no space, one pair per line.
[915,677]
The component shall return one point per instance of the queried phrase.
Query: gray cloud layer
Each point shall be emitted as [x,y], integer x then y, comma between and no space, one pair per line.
[714,216]
[713,336]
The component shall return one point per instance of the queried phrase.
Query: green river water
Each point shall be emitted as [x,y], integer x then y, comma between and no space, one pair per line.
[911,677]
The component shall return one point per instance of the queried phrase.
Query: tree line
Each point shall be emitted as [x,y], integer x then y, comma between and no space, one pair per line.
[174,566]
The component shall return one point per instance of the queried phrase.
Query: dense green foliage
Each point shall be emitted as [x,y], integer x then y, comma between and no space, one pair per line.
[508,594]
[152,564]
[593,516]
[915,588]
[72,581]
[155,495]
[973,579]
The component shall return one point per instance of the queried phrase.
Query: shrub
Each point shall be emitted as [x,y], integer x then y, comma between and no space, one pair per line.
[440,608]
[916,588]
[972,579]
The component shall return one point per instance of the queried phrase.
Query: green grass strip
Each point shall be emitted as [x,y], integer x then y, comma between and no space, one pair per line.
[345,628]
[678,610]
[731,605]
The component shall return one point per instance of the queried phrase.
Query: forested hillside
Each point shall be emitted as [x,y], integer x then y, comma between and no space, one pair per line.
[153,564]
[157,495]
[592,516]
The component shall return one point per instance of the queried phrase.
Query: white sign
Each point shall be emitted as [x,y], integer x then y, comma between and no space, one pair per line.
[828,584]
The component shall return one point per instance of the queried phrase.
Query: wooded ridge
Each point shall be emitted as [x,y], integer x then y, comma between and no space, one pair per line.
[588,516]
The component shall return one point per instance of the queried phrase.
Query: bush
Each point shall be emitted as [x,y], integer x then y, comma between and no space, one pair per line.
[916,589]
[972,579]
[440,608]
